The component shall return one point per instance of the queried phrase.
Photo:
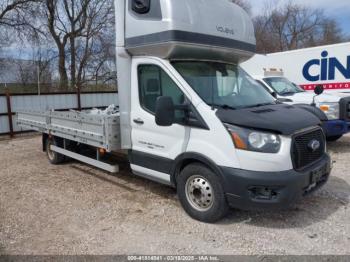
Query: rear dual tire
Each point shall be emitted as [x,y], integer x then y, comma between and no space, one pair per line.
[201,194]
[54,157]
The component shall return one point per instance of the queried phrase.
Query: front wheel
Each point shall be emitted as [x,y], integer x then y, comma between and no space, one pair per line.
[201,194]
[333,138]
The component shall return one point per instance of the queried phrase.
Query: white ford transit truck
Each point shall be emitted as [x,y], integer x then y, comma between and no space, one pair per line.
[190,117]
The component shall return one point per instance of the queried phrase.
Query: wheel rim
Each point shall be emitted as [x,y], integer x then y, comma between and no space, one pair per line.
[50,153]
[199,193]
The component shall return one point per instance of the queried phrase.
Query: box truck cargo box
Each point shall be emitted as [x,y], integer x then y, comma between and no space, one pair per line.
[323,65]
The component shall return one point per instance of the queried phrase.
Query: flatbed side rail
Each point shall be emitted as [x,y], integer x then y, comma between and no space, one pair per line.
[101,131]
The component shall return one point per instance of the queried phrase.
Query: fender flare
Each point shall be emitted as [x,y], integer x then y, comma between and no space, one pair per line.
[190,157]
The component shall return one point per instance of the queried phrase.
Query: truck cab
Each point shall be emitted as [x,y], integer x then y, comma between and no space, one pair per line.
[335,107]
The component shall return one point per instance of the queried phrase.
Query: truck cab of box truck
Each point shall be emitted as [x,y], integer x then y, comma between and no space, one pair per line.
[193,119]
[336,123]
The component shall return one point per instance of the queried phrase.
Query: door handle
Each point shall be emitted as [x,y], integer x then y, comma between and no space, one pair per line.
[139,121]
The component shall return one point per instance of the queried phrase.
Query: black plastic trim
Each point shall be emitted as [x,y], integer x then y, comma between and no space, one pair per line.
[304,133]
[193,157]
[169,166]
[188,37]
[289,185]
[194,119]
[154,162]
[344,104]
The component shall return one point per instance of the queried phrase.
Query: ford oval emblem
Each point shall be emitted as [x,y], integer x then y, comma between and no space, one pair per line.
[314,145]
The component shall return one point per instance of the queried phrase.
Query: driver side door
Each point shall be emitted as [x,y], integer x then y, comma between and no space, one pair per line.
[154,148]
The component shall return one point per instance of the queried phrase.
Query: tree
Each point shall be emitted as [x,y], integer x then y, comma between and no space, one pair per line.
[12,13]
[94,46]
[15,16]
[244,4]
[294,26]
[77,28]
[330,33]
[26,72]
[66,21]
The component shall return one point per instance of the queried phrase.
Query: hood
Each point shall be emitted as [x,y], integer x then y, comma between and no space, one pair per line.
[280,118]
[306,98]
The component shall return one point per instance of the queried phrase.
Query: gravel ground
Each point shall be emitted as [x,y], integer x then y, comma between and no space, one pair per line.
[75,209]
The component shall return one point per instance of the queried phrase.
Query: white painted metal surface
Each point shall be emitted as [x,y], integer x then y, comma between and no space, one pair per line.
[322,65]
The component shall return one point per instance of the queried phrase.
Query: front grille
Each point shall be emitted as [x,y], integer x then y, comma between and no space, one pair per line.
[302,153]
[345,108]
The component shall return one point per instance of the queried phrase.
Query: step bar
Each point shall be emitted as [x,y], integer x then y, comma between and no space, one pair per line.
[86,160]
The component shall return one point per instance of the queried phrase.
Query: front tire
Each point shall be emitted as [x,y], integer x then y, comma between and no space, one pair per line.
[201,193]
[54,157]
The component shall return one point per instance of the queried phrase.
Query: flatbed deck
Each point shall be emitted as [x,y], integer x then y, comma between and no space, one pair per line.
[97,130]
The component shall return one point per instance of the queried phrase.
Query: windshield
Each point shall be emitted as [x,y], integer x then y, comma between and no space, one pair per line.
[283,86]
[223,85]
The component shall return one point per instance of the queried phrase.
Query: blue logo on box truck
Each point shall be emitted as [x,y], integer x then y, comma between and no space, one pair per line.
[326,67]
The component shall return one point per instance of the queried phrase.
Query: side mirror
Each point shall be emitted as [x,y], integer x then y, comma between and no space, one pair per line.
[165,111]
[274,94]
[319,90]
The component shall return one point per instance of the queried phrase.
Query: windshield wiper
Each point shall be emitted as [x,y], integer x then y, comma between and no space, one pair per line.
[262,104]
[287,93]
[224,106]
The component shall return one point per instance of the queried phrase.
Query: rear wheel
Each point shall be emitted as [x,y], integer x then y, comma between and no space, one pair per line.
[54,157]
[333,138]
[201,194]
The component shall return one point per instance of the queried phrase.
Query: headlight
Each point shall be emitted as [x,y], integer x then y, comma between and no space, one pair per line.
[331,110]
[251,140]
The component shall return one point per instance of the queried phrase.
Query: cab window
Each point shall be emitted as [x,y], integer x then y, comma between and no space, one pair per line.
[154,82]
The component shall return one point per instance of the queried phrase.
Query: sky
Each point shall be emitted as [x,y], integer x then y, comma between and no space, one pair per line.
[337,9]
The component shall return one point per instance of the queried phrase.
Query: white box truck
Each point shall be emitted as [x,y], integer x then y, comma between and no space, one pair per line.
[190,118]
[281,78]
[328,66]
